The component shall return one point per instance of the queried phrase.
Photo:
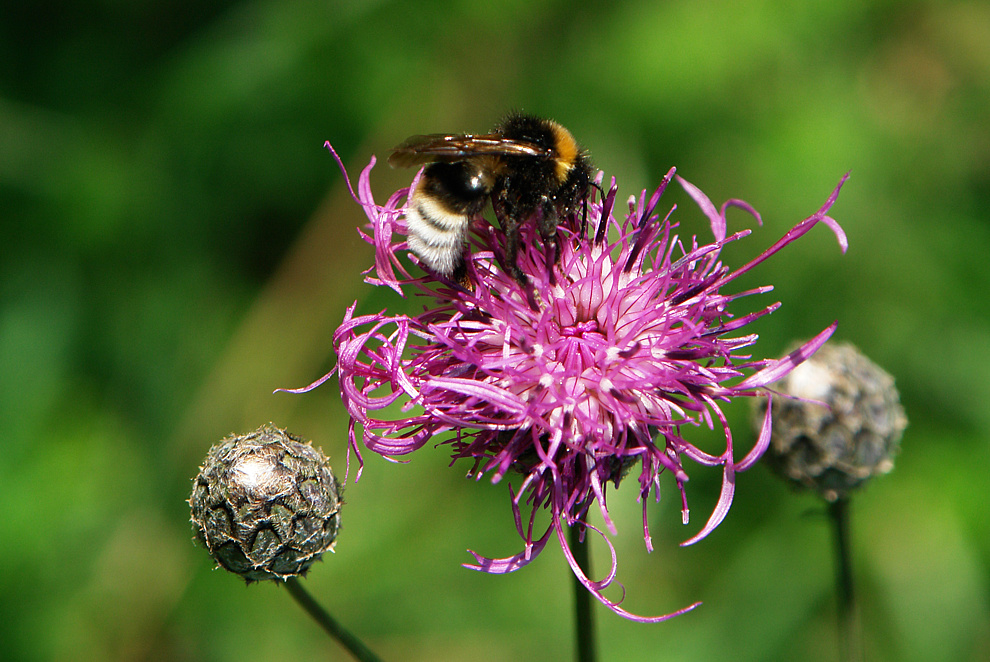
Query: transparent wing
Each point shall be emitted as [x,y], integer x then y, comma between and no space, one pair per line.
[455,147]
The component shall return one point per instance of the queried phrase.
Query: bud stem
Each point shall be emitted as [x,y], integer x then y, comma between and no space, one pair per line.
[353,645]
[849,639]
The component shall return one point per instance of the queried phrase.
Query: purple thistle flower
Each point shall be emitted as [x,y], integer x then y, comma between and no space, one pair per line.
[617,346]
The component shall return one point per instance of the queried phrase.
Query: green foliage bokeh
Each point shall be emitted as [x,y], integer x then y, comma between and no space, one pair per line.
[177,244]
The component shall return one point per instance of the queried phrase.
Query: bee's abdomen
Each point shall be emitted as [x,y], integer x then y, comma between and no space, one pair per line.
[449,195]
[436,236]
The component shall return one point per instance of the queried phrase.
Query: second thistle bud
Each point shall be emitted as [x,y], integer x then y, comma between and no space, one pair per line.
[265,505]
[833,449]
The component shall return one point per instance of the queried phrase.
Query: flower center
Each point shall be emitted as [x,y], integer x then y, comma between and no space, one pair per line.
[579,329]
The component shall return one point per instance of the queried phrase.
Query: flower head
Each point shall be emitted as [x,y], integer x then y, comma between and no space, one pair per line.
[584,378]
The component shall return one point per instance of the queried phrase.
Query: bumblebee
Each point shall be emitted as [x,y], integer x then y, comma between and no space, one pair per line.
[531,169]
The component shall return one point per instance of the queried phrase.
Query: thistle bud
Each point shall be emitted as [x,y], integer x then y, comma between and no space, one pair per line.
[835,448]
[265,505]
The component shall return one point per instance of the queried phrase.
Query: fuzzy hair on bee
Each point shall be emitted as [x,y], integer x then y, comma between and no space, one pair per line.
[532,169]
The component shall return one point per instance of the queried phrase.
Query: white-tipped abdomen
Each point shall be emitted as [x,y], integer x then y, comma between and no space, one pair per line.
[436,235]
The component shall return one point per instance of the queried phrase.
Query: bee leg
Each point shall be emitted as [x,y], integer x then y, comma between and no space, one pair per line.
[512,255]
[548,231]
[459,276]
[512,266]
[584,221]
[510,226]
[549,220]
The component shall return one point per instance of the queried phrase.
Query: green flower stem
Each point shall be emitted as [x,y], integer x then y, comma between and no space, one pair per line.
[584,623]
[849,635]
[353,645]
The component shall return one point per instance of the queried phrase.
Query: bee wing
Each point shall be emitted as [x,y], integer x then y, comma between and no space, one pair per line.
[455,147]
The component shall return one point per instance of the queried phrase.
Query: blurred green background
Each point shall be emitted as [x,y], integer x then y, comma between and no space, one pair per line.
[177,243]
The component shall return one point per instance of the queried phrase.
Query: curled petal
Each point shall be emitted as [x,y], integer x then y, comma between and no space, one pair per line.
[596,588]
[715,217]
[721,508]
[506,401]
[779,368]
[762,441]
[510,563]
